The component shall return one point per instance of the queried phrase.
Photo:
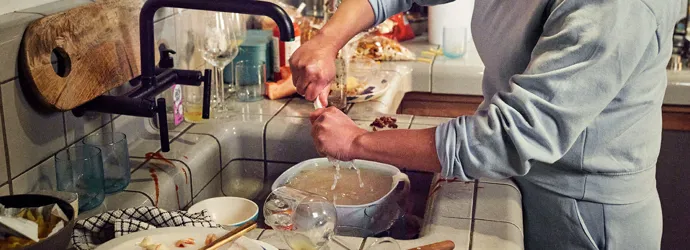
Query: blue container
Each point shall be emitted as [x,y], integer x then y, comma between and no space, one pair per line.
[257,48]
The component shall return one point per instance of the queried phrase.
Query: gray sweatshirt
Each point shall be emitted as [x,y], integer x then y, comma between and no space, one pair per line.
[572,95]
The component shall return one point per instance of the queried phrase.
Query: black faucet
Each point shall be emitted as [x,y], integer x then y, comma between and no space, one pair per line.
[153,80]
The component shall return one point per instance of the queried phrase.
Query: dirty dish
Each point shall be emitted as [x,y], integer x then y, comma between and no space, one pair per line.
[59,240]
[372,89]
[169,235]
[228,211]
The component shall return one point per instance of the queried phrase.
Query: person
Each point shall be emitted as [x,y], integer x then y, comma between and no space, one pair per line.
[572,110]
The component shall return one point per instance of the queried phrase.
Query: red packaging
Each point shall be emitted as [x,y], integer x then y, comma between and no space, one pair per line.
[401,31]
[282,51]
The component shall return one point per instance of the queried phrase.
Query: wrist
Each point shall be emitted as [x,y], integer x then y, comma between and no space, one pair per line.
[330,39]
[357,148]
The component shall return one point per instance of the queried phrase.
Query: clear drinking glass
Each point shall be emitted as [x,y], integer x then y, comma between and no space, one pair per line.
[116,169]
[454,42]
[250,80]
[79,169]
[385,243]
[304,220]
[215,38]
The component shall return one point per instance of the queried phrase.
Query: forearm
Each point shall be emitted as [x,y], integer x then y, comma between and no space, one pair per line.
[352,17]
[410,149]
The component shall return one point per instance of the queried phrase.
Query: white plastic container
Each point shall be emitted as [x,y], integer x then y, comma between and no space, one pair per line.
[456,14]
[360,216]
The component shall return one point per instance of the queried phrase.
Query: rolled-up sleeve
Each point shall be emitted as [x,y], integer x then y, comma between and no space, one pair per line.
[383,9]
[586,53]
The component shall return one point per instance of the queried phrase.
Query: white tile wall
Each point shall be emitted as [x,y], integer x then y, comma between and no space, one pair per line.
[30,137]
[7,6]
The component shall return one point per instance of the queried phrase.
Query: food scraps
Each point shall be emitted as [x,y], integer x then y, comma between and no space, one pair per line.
[384,121]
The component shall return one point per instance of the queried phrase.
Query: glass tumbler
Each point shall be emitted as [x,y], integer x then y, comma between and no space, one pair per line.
[79,169]
[454,42]
[116,169]
[250,81]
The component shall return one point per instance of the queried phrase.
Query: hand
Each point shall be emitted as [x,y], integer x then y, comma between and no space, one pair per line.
[334,133]
[313,68]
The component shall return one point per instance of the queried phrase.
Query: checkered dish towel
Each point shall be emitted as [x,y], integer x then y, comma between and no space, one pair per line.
[96,230]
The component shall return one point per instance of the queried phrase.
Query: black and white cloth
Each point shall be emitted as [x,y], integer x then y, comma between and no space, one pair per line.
[96,230]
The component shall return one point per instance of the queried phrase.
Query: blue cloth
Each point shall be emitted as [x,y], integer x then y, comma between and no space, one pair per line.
[572,107]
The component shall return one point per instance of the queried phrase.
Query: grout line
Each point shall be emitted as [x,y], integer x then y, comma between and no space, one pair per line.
[9,80]
[209,183]
[431,73]
[503,184]
[30,12]
[265,173]
[5,145]
[500,221]
[142,193]
[474,212]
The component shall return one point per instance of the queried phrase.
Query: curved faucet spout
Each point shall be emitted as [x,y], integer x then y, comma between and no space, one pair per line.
[251,7]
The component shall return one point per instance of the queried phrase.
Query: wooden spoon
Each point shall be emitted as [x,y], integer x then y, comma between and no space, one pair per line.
[442,245]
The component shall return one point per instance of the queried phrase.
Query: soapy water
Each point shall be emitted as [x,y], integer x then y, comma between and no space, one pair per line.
[337,175]
[343,184]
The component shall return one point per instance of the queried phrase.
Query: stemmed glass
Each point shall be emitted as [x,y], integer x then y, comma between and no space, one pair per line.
[216,39]
[239,22]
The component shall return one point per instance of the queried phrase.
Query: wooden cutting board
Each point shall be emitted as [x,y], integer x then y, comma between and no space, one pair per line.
[98,48]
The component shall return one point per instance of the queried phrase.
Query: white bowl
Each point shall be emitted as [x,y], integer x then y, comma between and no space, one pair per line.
[228,211]
[385,209]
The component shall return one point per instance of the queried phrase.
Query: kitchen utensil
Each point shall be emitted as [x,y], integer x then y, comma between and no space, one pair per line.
[385,243]
[59,240]
[442,245]
[454,42]
[230,236]
[304,220]
[228,211]
[167,236]
[356,215]
[250,81]
[79,169]
[116,169]
[70,58]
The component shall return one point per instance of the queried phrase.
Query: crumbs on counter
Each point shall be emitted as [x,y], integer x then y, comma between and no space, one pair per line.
[383,122]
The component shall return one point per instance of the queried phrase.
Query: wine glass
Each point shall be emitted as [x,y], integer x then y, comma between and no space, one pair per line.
[215,39]
[306,221]
[239,23]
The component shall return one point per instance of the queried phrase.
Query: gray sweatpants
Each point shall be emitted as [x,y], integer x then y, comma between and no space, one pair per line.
[553,221]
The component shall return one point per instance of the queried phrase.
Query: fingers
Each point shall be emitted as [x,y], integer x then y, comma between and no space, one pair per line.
[324,97]
[316,114]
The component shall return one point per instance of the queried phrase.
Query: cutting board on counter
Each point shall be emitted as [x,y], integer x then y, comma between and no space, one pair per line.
[94,48]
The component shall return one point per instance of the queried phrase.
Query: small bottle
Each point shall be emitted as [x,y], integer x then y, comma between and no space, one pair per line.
[282,51]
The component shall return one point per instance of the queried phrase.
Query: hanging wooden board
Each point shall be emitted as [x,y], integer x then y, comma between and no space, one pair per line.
[94,48]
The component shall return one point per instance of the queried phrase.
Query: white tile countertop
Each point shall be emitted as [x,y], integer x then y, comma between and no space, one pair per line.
[243,154]
[464,76]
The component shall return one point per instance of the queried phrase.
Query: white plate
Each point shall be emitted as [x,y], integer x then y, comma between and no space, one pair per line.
[169,235]
[375,87]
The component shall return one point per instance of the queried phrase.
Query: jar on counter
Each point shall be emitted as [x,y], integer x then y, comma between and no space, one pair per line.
[282,51]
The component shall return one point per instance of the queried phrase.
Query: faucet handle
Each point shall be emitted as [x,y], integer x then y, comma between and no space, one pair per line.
[163,124]
[206,105]
[166,61]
